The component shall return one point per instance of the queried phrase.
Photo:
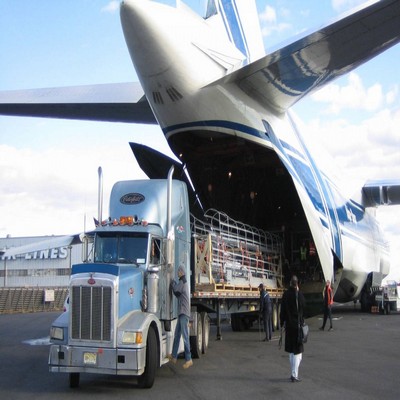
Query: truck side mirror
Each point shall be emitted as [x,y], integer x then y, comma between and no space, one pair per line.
[86,241]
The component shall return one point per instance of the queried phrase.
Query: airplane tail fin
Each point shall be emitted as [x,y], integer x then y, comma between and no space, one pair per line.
[239,19]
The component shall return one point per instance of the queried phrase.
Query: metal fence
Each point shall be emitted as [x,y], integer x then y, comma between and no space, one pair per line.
[37,299]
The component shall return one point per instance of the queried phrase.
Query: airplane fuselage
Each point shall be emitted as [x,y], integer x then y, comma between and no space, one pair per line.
[234,146]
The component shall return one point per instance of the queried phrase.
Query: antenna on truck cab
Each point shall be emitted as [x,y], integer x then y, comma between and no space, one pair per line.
[100,196]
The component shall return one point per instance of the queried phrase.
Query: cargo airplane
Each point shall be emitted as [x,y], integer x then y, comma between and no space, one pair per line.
[223,105]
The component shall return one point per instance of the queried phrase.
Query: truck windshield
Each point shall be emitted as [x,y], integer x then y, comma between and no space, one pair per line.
[121,248]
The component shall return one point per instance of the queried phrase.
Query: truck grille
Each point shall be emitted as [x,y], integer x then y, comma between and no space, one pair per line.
[91,313]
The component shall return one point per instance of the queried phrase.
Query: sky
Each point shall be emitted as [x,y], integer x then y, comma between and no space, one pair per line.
[48,167]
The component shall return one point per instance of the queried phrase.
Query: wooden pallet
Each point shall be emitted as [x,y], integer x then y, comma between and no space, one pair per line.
[235,289]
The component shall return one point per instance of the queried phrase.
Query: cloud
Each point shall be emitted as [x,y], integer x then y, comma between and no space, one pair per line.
[392,95]
[49,191]
[269,22]
[111,7]
[352,96]
[364,150]
[268,15]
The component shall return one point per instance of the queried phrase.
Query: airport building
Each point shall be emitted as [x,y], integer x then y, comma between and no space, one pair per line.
[50,267]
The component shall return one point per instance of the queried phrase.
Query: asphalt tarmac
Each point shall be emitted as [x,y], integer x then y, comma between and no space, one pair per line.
[359,359]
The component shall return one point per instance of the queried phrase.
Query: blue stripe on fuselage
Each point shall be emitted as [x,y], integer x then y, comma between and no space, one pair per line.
[327,197]
[217,124]
[235,31]
[307,173]
[308,182]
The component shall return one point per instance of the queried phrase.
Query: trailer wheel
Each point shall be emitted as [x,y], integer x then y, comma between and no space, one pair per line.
[196,342]
[146,380]
[237,323]
[74,379]
[205,322]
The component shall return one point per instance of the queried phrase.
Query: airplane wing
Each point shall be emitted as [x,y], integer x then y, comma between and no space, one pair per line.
[277,81]
[381,192]
[118,102]
[283,77]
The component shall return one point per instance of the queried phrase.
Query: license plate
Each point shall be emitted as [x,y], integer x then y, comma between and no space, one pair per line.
[89,358]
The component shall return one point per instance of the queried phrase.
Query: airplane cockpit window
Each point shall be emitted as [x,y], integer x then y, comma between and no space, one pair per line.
[121,248]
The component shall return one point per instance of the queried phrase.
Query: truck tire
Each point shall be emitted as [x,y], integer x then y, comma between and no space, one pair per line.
[146,380]
[237,323]
[196,342]
[74,379]
[205,322]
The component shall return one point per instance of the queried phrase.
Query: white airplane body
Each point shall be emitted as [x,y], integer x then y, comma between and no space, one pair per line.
[223,106]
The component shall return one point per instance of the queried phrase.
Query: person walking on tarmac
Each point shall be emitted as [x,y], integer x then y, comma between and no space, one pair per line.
[266,312]
[291,316]
[328,301]
[181,291]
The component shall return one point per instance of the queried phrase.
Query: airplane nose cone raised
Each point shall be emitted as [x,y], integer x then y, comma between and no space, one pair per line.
[144,24]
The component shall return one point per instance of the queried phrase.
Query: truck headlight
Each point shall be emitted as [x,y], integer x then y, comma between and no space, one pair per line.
[130,337]
[56,333]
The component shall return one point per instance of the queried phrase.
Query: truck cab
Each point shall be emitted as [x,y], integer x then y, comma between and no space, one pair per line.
[122,314]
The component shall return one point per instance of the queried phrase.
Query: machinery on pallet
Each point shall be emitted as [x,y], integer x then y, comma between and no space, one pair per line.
[231,259]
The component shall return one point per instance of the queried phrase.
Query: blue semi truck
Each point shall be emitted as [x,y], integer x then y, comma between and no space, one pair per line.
[122,314]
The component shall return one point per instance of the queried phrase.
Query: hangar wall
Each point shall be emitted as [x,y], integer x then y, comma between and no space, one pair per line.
[46,268]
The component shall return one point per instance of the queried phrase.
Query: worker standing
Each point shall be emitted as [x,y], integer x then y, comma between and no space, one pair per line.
[266,312]
[181,291]
[328,301]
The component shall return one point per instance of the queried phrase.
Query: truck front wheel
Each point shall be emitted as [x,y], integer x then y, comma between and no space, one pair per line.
[146,380]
